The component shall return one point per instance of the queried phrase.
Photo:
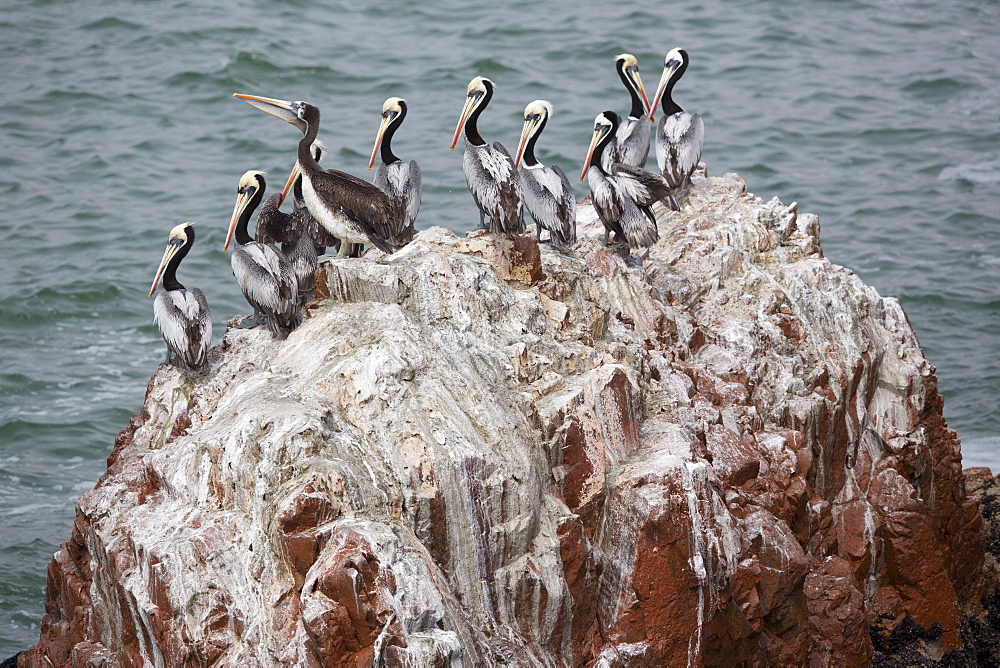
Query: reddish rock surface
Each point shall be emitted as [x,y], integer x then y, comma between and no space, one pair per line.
[480,453]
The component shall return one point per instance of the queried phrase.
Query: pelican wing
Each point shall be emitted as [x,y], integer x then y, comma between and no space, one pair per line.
[641,186]
[638,226]
[273,225]
[630,145]
[549,199]
[679,141]
[266,278]
[185,323]
[363,203]
[402,184]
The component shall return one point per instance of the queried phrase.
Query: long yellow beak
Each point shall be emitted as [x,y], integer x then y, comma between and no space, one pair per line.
[167,255]
[526,132]
[664,78]
[598,134]
[241,203]
[469,102]
[288,184]
[282,109]
[634,75]
[378,139]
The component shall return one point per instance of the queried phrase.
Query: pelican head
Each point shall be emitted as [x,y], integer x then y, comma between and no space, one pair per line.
[477,95]
[628,70]
[605,126]
[673,68]
[180,236]
[297,113]
[393,111]
[535,116]
[317,148]
[251,183]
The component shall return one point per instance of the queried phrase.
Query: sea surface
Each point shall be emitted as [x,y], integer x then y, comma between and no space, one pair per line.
[117,123]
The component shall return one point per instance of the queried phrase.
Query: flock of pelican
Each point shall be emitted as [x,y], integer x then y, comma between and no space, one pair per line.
[335,209]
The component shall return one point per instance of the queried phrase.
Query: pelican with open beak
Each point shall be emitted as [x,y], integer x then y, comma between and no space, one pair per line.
[264,273]
[631,144]
[680,136]
[489,170]
[400,181]
[547,193]
[624,198]
[182,315]
[349,208]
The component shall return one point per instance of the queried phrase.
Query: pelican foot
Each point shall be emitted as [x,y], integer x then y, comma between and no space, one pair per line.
[248,322]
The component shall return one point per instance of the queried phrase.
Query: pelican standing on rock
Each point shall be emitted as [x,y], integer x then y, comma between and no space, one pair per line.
[547,193]
[264,273]
[399,180]
[489,171]
[631,144]
[183,316]
[347,207]
[679,135]
[623,199]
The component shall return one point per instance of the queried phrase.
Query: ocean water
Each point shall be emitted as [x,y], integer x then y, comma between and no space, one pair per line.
[117,123]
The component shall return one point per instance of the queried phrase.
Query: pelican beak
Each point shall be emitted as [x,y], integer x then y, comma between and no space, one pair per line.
[288,184]
[280,108]
[664,78]
[526,132]
[470,102]
[598,135]
[241,203]
[172,249]
[633,74]
[386,119]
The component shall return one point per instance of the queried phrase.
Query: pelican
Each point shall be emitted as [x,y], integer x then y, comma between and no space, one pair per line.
[548,195]
[679,135]
[265,275]
[399,180]
[183,316]
[622,199]
[631,145]
[489,171]
[301,238]
[347,207]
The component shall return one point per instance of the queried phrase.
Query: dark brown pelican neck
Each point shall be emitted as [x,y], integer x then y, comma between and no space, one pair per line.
[170,281]
[307,162]
[669,106]
[595,159]
[242,235]
[386,151]
[637,111]
[529,148]
[471,129]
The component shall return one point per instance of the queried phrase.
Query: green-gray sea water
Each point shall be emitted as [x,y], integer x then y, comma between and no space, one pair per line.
[117,123]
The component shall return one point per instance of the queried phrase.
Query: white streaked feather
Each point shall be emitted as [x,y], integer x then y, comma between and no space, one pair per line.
[261,271]
[174,312]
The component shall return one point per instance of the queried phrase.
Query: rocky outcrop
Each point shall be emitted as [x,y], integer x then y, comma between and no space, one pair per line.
[476,452]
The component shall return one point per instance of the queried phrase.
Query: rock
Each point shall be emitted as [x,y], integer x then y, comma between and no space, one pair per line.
[482,452]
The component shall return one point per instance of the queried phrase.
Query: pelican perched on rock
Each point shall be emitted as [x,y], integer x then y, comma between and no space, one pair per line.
[489,171]
[547,193]
[679,135]
[623,198]
[399,180]
[264,273]
[347,207]
[183,316]
[631,144]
